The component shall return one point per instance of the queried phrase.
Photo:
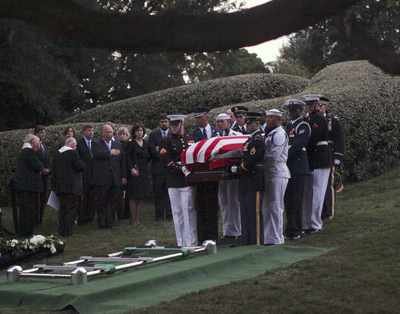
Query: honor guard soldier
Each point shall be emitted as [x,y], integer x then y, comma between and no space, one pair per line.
[251,181]
[180,193]
[336,143]
[228,190]
[276,177]
[239,113]
[320,159]
[299,132]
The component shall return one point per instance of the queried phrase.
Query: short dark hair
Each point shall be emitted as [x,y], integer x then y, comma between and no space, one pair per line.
[137,126]
[38,128]
[163,116]
[66,130]
[87,127]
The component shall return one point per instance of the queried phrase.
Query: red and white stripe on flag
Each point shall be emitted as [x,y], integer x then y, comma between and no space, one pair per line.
[206,150]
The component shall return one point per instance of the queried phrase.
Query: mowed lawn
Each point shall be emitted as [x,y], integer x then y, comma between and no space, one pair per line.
[361,275]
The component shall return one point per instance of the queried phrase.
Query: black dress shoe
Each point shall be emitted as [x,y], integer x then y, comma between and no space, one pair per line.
[293,236]
[312,231]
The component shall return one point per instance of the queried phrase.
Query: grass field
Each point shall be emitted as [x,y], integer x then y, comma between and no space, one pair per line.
[362,275]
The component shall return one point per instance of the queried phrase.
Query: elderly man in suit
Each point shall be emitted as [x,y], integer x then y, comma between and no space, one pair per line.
[67,183]
[43,154]
[158,170]
[206,195]
[86,210]
[28,185]
[204,129]
[109,174]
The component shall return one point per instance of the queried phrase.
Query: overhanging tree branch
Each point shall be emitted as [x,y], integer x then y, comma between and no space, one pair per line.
[171,31]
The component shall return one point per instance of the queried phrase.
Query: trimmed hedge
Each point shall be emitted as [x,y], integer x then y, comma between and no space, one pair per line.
[367,101]
[187,98]
[11,142]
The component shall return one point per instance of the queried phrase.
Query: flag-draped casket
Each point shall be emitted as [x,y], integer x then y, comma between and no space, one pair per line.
[213,154]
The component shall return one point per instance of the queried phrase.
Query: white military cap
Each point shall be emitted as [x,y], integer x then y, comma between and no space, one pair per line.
[311,97]
[176,117]
[223,116]
[274,112]
[290,103]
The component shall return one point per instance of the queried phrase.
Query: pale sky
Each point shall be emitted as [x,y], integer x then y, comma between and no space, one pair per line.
[268,51]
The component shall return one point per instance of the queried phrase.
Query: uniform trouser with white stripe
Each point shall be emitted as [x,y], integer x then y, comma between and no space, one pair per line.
[312,210]
[228,199]
[273,207]
[184,215]
[328,210]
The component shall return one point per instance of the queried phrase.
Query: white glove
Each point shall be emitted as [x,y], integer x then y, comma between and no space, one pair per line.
[337,162]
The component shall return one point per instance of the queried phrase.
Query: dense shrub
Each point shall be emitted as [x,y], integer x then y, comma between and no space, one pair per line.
[367,101]
[188,98]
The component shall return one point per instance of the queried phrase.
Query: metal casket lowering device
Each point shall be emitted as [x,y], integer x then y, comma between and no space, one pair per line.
[85,267]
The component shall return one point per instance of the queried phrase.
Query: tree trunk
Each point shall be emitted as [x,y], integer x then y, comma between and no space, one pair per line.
[171,31]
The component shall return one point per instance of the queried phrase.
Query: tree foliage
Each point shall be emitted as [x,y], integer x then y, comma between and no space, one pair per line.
[43,82]
[330,42]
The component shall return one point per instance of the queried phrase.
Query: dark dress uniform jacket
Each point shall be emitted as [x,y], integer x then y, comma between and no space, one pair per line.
[174,144]
[157,166]
[67,173]
[318,146]
[108,170]
[336,136]
[27,177]
[253,154]
[299,132]
[242,129]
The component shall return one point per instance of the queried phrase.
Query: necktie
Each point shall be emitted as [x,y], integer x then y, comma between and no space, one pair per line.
[205,133]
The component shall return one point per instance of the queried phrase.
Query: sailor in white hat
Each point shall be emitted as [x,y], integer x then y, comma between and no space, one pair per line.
[276,177]
[228,190]
[180,193]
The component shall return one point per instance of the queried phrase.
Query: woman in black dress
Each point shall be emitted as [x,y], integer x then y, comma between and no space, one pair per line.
[124,137]
[138,173]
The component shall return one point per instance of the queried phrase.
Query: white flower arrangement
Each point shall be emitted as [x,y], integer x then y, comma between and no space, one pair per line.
[31,245]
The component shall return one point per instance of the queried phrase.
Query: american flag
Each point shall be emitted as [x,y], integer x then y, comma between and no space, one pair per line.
[217,152]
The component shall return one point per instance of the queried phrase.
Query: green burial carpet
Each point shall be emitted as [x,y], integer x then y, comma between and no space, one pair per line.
[119,292]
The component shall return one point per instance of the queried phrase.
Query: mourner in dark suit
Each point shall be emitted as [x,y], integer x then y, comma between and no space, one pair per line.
[180,193]
[158,171]
[138,158]
[86,209]
[203,130]
[252,180]
[299,132]
[67,183]
[240,119]
[43,154]
[28,184]
[108,176]
[336,143]
[206,195]
[320,158]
